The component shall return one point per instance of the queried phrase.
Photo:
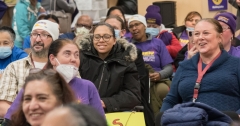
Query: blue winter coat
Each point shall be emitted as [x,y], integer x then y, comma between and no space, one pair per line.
[194,114]
[24,17]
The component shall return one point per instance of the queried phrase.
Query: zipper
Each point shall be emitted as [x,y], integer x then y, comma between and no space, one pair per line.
[100,83]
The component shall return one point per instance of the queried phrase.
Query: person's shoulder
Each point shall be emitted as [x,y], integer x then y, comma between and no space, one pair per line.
[20,61]
[189,63]
[84,81]
[157,41]
[18,53]
[69,35]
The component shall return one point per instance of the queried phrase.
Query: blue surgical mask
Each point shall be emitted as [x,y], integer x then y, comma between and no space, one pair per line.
[153,31]
[117,33]
[5,52]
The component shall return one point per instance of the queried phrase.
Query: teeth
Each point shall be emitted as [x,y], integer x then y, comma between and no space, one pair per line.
[35,115]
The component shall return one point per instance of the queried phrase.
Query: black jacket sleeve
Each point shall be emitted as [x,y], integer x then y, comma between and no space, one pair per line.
[180,56]
[129,96]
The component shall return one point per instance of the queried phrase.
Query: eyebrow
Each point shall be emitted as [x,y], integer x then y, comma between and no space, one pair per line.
[37,95]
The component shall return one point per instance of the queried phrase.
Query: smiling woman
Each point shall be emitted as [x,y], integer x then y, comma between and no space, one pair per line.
[43,91]
[109,64]
[211,76]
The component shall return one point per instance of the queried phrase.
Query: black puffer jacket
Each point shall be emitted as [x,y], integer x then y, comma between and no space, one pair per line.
[116,77]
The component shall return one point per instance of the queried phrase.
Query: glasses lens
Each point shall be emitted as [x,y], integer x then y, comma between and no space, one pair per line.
[106,37]
[97,37]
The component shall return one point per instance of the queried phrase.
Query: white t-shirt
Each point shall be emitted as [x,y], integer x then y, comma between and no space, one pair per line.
[39,65]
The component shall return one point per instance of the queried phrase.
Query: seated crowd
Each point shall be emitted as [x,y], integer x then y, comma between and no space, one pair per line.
[48,78]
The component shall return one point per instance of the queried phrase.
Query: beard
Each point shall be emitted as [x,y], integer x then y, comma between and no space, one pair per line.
[39,53]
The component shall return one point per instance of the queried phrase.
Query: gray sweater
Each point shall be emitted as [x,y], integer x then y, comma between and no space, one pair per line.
[60,5]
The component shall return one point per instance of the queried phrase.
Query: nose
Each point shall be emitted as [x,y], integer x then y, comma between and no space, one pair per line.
[38,38]
[73,58]
[33,105]
[193,23]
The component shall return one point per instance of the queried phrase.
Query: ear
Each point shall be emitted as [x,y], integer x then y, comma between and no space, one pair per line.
[12,45]
[52,60]
[220,37]
[115,40]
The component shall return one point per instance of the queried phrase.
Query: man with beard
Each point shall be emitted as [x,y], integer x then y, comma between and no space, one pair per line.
[44,32]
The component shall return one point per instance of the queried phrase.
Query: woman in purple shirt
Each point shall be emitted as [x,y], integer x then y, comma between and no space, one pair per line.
[64,58]
[154,54]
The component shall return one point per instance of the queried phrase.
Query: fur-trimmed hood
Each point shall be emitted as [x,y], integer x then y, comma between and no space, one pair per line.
[128,50]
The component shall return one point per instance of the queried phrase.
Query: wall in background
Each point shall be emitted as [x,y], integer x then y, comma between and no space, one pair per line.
[183,7]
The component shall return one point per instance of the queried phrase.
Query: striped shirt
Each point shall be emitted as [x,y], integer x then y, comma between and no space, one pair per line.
[13,78]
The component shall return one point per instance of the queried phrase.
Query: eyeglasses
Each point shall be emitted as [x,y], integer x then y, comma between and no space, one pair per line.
[134,25]
[225,28]
[42,36]
[45,71]
[105,37]
[81,25]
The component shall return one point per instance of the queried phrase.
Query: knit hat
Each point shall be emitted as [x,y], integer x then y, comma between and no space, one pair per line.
[227,18]
[137,17]
[153,15]
[48,26]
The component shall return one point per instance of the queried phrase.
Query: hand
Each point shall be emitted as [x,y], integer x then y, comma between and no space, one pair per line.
[155,76]
[192,52]
[103,105]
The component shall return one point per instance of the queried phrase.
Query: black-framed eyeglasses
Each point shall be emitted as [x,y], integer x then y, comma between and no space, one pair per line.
[86,26]
[45,71]
[42,36]
[134,25]
[105,37]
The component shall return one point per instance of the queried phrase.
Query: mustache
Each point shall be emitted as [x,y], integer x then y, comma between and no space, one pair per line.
[38,44]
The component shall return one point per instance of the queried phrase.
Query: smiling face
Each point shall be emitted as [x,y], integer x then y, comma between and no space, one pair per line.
[68,54]
[137,30]
[206,38]
[38,100]
[103,40]
[40,45]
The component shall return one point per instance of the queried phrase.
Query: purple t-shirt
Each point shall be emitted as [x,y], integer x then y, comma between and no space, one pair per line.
[183,38]
[155,53]
[84,90]
[234,51]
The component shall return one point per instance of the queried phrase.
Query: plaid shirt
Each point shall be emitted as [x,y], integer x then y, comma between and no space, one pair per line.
[13,78]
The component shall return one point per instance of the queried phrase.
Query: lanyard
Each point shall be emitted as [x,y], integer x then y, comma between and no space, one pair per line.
[200,75]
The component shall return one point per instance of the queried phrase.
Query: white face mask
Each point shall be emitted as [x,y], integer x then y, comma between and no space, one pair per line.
[81,31]
[67,71]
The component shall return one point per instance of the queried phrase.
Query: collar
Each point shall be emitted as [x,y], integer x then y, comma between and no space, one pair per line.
[29,62]
[149,37]
[219,61]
